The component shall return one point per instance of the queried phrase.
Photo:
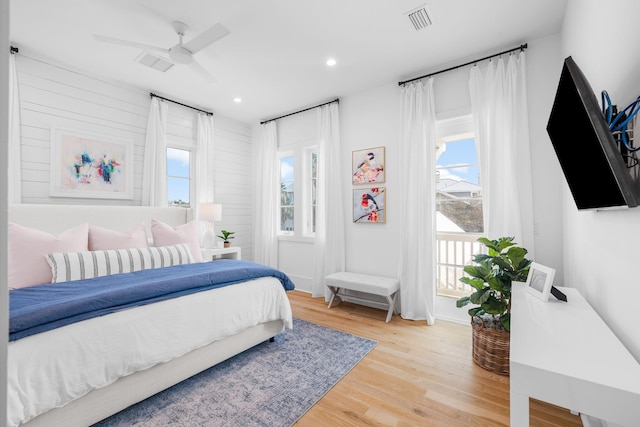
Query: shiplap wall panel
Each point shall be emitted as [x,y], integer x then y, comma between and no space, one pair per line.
[233,180]
[52,96]
[58,96]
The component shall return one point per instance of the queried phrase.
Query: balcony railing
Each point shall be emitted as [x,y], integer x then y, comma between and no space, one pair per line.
[454,251]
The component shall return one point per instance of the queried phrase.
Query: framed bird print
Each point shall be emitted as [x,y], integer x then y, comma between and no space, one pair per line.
[369,205]
[368,166]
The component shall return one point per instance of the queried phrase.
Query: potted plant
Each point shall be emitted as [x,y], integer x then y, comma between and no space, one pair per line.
[226,236]
[491,275]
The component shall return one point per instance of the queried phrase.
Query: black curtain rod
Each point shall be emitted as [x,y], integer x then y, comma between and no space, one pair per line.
[208,113]
[301,111]
[521,48]
[13,49]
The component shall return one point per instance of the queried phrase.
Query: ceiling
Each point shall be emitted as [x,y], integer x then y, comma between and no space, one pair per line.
[274,56]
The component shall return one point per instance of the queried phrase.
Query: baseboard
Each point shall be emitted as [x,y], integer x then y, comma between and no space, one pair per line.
[302,283]
[454,320]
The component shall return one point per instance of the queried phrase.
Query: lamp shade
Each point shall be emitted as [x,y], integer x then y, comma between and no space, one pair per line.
[210,212]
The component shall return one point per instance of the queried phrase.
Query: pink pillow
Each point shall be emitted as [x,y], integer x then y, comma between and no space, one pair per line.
[165,235]
[104,239]
[28,248]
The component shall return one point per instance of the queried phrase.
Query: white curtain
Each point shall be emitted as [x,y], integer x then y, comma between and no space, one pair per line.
[267,197]
[14,170]
[329,240]
[204,165]
[154,181]
[417,158]
[499,107]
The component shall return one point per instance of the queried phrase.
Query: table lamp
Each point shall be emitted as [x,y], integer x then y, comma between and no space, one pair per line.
[209,212]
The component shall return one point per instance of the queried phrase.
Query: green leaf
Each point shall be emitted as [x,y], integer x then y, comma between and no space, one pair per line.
[482,259]
[505,319]
[503,263]
[516,255]
[480,296]
[488,243]
[463,301]
[476,311]
[505,242]
[501,284]
[475,283]
[478,271]
[494,306]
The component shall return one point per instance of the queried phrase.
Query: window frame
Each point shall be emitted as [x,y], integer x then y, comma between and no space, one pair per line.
[192,182]
[449,131]
[309,209]
[301,191]
[283,155]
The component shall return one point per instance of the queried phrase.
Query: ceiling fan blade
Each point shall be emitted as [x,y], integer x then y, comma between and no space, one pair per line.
[202,71]
[206,38]
[129,43]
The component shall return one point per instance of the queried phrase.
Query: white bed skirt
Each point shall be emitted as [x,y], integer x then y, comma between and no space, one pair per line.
[61,368]
[102,403]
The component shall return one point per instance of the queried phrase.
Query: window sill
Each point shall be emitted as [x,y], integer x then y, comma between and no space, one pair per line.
[298,239]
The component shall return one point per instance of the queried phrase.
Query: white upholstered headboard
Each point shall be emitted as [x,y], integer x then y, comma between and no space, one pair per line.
[57,218]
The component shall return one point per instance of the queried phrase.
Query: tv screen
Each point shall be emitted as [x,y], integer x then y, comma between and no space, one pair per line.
[589,156]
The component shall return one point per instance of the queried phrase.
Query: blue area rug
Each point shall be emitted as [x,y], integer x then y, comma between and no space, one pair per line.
[269,385]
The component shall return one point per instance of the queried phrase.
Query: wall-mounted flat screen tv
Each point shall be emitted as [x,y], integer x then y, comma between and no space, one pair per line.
[592,164]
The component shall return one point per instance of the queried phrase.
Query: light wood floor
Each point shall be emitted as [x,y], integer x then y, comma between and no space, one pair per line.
[417,375]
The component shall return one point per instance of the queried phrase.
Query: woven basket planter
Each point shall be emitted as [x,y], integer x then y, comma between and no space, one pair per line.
[490,347]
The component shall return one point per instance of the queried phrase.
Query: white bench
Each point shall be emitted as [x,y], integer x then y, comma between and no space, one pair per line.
[376,285]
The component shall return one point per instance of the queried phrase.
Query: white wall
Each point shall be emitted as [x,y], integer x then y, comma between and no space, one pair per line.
[4,154]
[601,249]
[58,95]
[371,119]
[543,71]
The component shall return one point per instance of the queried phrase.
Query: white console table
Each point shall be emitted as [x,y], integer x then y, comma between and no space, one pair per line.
[232,252]
[564,354]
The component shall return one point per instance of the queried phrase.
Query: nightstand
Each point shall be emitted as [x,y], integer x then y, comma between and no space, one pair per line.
[221,253]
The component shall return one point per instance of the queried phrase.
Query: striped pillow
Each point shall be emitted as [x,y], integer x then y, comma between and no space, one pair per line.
[66,266]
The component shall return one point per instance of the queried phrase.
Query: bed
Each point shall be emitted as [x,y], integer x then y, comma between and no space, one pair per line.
[78,372]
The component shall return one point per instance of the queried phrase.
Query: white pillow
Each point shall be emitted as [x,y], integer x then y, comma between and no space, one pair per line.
[66,266]
[101,239]
[164,235]
[28,248]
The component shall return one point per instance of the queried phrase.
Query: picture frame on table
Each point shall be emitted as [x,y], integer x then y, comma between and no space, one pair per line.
[88,165]
[540,281]
[368,166]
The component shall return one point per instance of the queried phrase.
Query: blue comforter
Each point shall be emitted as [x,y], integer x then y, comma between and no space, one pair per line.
[41,308]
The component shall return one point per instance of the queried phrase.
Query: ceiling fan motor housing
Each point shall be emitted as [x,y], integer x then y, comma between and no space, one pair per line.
[180,55]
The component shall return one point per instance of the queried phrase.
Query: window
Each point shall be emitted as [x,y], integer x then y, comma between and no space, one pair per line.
[458,195]
[310,200]
[287,208]
[179,177]
[298,184]
[459,220]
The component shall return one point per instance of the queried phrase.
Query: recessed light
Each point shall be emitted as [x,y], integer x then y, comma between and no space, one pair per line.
[237,100]
[331,62]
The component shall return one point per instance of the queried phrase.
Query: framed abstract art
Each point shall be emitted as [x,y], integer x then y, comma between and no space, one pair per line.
[90,165]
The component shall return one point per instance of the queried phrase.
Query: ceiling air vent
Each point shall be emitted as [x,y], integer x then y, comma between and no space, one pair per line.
[420,17]
[153,61]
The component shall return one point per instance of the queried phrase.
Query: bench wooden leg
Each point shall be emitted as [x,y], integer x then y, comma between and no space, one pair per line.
[334,293]
[392,306]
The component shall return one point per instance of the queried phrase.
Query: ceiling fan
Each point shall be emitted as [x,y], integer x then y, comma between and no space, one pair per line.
[181,53]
